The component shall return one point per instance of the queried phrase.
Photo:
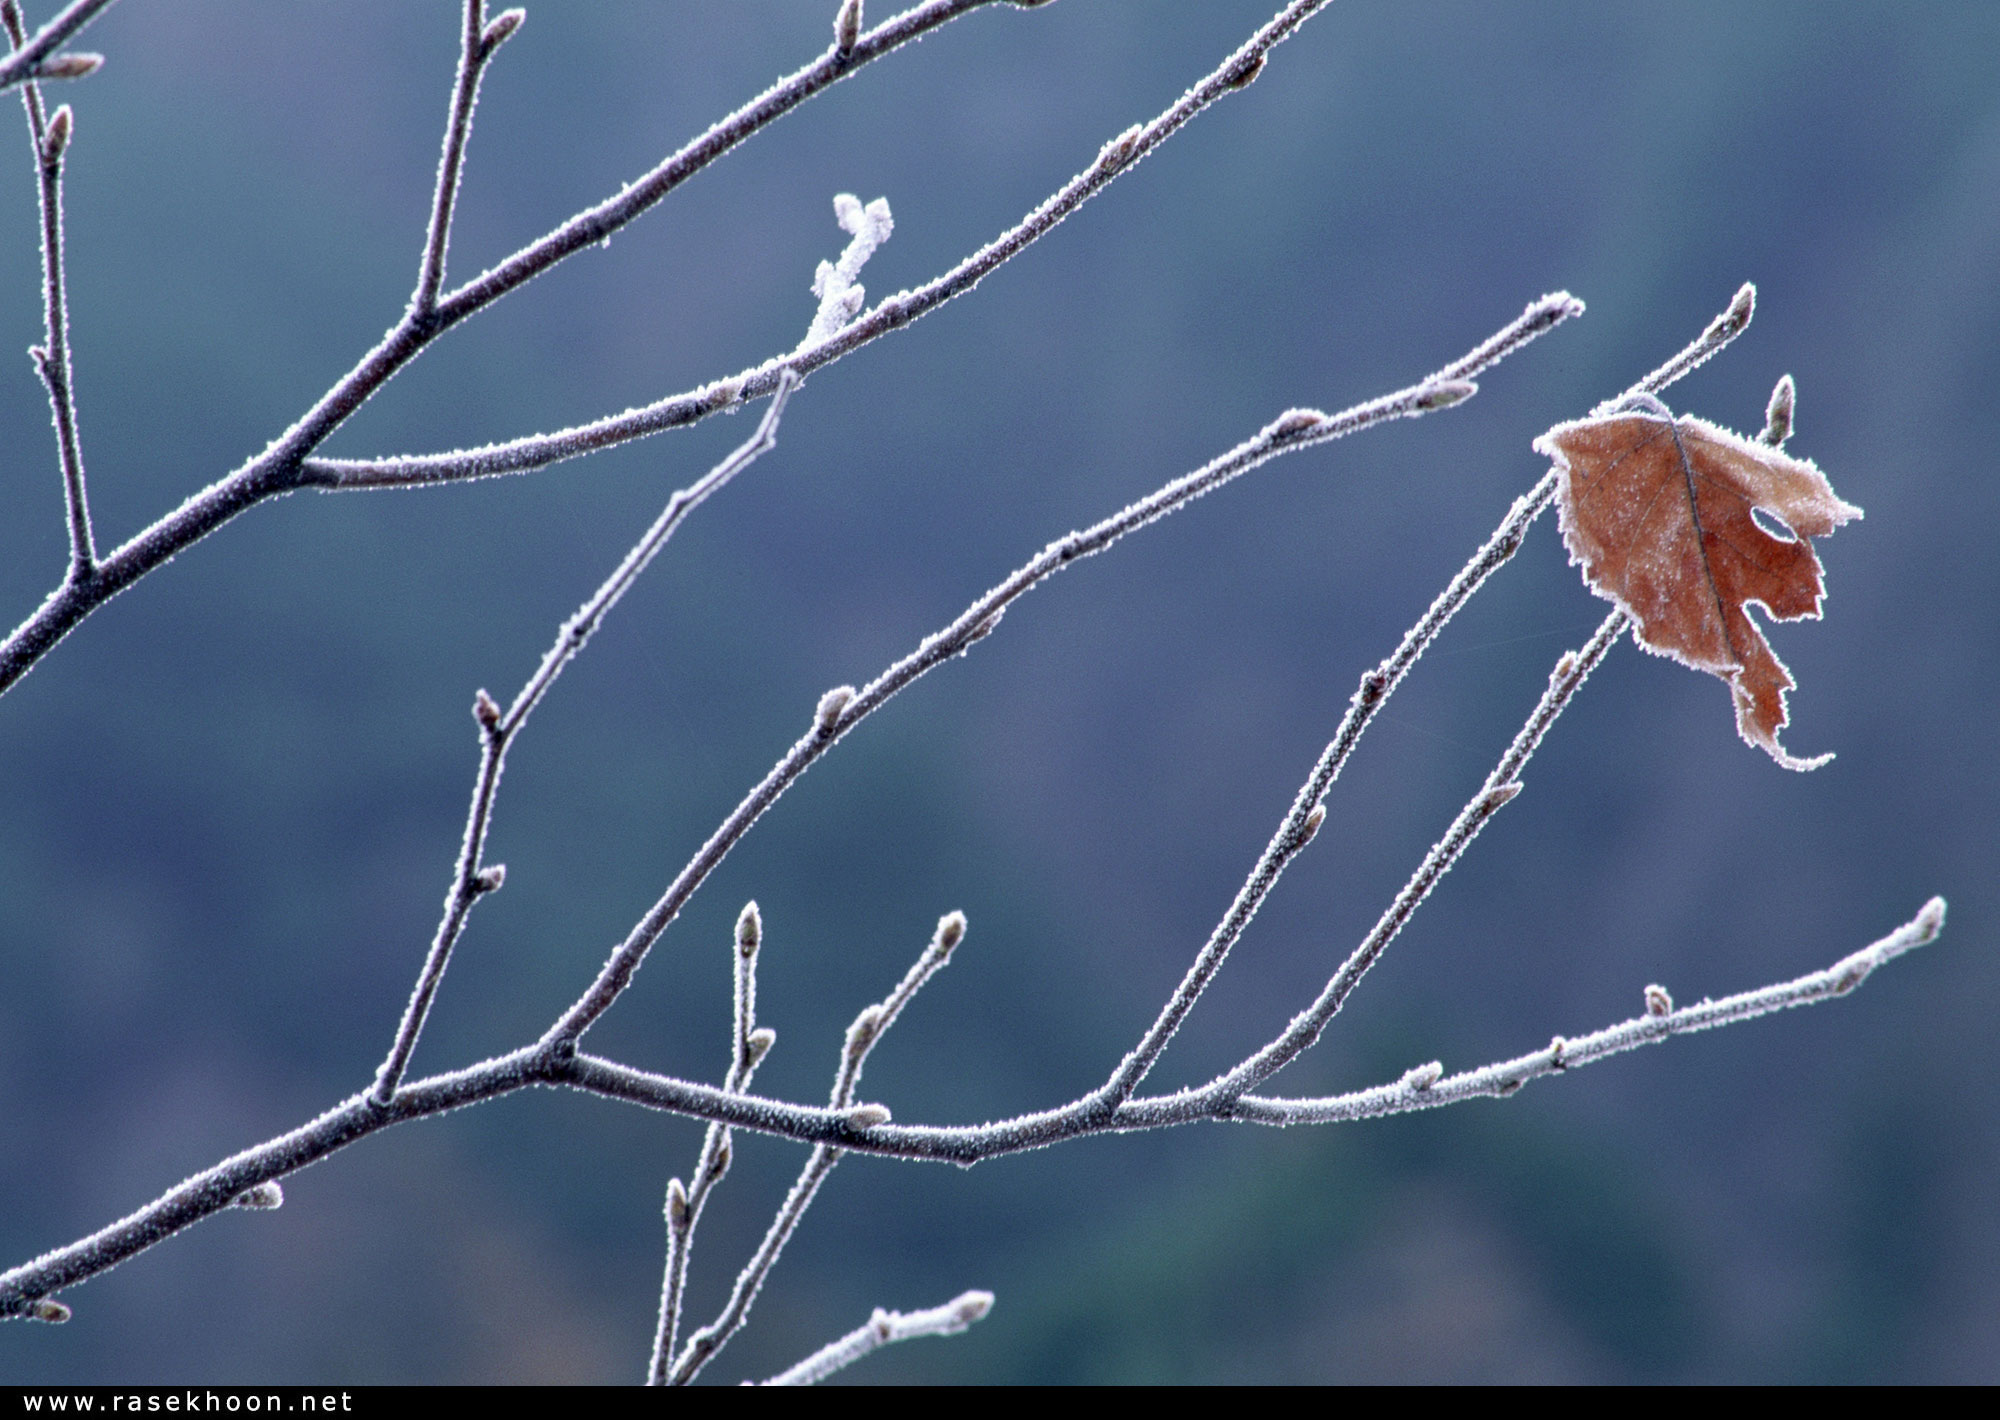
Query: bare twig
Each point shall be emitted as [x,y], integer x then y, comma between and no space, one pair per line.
[1423,1089]
[748,1047]
[249,1178]
[1733,321]
[478,44]
[50,141]
[1303,820]
[473,881]
[1500,787]
[882,1329]
[868,1028]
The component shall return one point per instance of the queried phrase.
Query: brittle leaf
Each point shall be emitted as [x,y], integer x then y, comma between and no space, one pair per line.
[1658,513]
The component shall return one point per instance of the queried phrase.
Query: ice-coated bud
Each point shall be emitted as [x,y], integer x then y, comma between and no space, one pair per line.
[1245,74]
[827,715]
[1658,1002]
[866,1026]
[678,1212]
[1445,393]
[486,711]
[1296,421]
[491,878]
[61,124]
[1120,150]
[264,1195]
[70,66]
[48,1309]
[1423,1076]
[1731,322]
[950,931]
[758,1044]
[1778,413]
[985,627]
[503,26]
[863,1117]
[846,27]
[970,1307]
[1312,823]
[749,929]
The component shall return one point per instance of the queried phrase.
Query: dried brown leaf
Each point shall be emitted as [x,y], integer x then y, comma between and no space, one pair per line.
[1657,511]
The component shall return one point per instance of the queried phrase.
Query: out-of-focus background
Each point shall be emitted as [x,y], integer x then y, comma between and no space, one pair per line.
[229,803]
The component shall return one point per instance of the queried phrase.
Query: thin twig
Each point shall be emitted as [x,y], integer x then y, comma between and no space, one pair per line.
[476,47]
[882,1329]
[50,141]
[1427,1087]
[1303,819]
[1297,429]
[1571,670]
[1733,321]
[471,880]
[868,1028]
[26,60]
[748,1047]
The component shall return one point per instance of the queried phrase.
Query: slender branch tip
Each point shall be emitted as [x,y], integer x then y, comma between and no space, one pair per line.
[1733,321]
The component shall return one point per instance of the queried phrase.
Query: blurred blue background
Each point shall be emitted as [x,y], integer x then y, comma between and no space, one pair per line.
[232,798]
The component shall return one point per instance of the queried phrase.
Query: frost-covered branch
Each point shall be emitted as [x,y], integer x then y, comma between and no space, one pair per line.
[50,141]
[867,1029]
[882,1329]
[1428,1087]
[477,45]
[749,1044]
